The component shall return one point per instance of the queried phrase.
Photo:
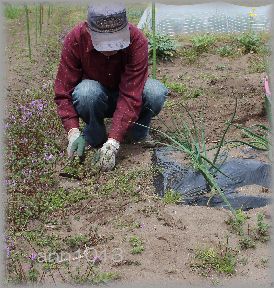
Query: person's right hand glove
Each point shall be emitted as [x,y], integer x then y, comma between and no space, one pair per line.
[76,144]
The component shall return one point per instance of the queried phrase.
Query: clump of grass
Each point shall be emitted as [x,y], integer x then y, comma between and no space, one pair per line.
[176,87]
[209,260]
[172,197]
[76,241]
[202,43]
[226,51]
[136,244]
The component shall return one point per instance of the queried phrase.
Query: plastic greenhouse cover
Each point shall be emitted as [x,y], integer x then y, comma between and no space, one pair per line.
[215,17]
[194,188]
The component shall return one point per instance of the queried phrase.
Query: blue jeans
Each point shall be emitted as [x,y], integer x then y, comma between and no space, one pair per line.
[94,102]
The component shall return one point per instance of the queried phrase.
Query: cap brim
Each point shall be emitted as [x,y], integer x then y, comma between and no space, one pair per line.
[111,41]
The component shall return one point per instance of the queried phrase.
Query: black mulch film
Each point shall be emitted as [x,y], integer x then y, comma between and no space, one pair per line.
[194,189]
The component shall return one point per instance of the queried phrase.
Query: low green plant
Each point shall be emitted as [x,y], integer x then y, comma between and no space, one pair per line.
[93,276]
[172,197]
[208,260]
[166,46]
[221,67]
[262,228]
[136,244]
[250,41]
[33,275]
[195,93]
[226,51]
[237,221]
[177,87]
[202,43]
[189,54]
[76,241]
[246,242]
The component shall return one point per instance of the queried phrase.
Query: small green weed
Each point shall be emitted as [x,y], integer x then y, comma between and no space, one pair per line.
[246,242]
[33,275]
[136,244]
[40,238]
[237,221]
[76,241]
[172,197]
[262,228]
[93,276]
[176,87]
[195,93]
[189,54]
[208,260]
[202,43]
[221,67]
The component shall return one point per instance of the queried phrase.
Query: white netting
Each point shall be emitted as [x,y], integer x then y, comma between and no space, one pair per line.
[208,17]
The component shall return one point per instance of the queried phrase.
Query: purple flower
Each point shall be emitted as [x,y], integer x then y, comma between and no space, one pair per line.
[142,225]
[48,157]
[8,251]
[33,256]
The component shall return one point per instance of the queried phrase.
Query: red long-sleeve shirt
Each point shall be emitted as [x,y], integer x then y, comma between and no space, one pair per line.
[126,71]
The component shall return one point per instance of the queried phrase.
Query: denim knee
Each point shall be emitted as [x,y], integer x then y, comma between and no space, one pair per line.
[88,93]
[154,95]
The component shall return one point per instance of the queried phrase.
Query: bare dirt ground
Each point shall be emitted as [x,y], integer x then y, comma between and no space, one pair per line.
[170,233]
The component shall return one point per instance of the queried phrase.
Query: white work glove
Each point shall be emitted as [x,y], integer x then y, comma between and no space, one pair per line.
[107,155]
[76,143]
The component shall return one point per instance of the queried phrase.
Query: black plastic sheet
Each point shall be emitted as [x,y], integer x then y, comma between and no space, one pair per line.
[195,190]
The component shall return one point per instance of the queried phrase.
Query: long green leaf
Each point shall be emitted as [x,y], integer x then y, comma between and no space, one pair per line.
[223,137]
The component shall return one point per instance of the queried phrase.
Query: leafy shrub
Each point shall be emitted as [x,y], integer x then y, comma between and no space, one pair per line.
[166,47]
[202,43]
[250,42]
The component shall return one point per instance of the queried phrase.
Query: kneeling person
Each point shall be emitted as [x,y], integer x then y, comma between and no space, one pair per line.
[103,73]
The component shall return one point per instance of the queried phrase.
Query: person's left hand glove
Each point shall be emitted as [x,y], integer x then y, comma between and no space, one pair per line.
[107,155]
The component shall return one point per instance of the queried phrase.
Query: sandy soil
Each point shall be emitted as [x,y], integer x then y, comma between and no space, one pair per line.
[170,233]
